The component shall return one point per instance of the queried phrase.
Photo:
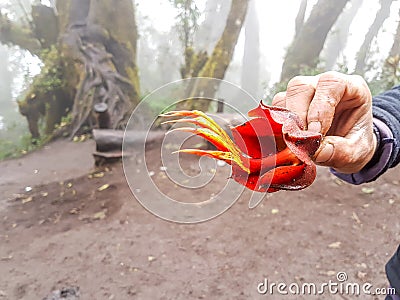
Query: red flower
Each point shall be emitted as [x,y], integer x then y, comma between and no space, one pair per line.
[269,152]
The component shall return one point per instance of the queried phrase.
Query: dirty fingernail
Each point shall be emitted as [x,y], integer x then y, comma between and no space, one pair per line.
[314,126]
[325,154]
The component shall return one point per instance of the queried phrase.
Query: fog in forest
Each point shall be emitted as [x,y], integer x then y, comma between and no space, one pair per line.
[266,35]
[138,161]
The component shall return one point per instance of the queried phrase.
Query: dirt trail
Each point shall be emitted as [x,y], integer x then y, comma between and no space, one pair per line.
[54,162]
[104,242]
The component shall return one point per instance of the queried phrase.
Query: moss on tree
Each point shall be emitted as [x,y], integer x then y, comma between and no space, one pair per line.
[46,97]
[216,65]
[89,54]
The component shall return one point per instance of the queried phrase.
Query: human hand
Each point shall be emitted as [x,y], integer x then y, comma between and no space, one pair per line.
[339,107]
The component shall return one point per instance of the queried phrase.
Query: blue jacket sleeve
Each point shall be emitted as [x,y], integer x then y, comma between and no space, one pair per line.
[386,107]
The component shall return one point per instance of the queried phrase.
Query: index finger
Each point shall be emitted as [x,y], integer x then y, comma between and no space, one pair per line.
[300,91]
[333,88]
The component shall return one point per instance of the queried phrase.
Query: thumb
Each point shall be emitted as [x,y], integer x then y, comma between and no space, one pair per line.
[338,153]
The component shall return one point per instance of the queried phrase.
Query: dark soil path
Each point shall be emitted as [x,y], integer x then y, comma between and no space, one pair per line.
[67,232]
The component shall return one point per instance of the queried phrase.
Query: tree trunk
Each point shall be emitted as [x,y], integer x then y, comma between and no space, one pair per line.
[7,108]
[390,71]
[112,140]
[217,64]
[89,53]
[42,16]
[215,15]
[207,35]
[250,79]
[299,22]
[103,40]
[18,34]
[380,18]
[337,38]
[395,50]
[307,45]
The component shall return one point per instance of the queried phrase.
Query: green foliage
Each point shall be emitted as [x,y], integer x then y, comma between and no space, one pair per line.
[50,78]
[160,105]
[187,20]
[65,121]
[387,78]
[45,99]
[24,145]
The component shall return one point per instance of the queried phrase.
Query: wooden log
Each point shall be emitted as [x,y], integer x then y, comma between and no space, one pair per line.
[111,140]
[104,158]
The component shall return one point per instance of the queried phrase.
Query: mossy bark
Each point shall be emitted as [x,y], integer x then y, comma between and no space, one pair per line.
[217,64]
[19,35]
[42,17]
[194,63]
[117,18]
[93,60]
[48,97]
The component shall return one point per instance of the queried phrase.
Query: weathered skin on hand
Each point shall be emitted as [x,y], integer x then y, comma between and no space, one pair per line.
[270,152]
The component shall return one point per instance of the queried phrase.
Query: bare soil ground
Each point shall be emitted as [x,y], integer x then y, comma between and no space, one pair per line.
[67,232]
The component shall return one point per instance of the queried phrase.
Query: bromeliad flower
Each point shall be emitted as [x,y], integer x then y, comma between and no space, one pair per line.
[270,152]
